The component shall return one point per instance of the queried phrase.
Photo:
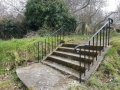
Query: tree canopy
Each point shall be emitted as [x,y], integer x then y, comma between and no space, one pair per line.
[50,13]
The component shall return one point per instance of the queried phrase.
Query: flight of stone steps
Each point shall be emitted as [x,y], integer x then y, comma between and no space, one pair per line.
[68,61]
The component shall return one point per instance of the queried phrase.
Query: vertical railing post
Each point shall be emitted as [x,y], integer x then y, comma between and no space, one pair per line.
[103,40]
[48,45]
[106,37]
[93,49]
[100,38]
[84,61]
[63,34]
[93,43]
[38,52]
[80,64]
[45,47]
[52,43]
[96,46]
[42,51]
[55,40]
[100,41]
[60,37]
[109,33]
[89,57]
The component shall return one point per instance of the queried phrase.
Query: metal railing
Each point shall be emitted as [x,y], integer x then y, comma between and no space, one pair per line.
[98,41]
[50,42]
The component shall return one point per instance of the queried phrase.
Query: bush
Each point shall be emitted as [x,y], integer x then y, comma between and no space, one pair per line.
[50,13]
[11,29]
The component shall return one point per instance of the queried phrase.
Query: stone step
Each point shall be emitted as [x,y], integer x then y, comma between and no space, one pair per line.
[63,69]
[92,53]
[73,56]
[68,62]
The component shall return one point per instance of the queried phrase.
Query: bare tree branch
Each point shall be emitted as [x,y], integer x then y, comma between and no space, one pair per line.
[84,6]
[15,7]
[106,18]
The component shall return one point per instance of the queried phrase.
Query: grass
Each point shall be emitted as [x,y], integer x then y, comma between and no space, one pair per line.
[77,38]
[16,53]
[107,77]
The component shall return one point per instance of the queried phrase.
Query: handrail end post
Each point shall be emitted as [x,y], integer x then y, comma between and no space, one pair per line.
[110,20]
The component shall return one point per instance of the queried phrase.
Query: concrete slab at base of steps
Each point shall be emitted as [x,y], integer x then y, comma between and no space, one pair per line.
[42,77]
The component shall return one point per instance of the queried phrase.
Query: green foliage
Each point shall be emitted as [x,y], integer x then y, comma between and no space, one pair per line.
[115,85]
[77,87]
[94,82]
[10,29]
[50,13]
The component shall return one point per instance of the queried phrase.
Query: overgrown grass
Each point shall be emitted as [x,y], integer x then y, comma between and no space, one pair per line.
[107,77]
[16,53]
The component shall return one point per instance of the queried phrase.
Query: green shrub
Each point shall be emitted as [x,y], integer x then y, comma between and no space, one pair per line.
[10,29]
[50,13]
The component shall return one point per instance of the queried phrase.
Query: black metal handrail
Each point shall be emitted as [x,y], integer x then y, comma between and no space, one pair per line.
[99,39]
[110,21]
[50,42]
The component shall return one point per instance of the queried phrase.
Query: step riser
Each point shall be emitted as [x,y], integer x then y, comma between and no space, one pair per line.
[65,56]
[82,47]
[66,50]
[73,57]
[69,45]
[92,54]
[98,48]
[64,69]
[76,67]
[87,53]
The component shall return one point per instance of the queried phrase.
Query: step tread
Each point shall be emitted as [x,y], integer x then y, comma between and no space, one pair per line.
[67,48]
[74,62]
[69,44]
[72,54]
[78,49]
[62,68]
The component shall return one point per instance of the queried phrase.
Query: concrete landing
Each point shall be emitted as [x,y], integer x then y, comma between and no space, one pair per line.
[42,77]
